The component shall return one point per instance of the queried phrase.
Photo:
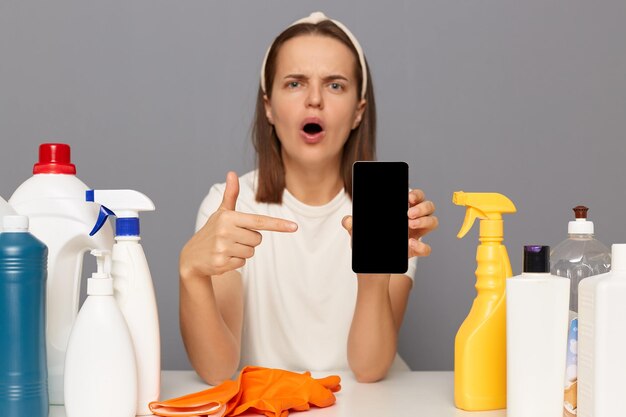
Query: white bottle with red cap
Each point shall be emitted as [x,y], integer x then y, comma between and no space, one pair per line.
[54,200]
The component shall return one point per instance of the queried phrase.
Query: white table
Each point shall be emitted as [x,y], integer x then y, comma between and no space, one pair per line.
[410,394]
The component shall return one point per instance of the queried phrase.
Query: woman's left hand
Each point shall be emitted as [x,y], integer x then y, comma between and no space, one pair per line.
[421,222]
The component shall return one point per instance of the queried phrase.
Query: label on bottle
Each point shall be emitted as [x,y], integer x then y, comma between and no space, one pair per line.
[570,401]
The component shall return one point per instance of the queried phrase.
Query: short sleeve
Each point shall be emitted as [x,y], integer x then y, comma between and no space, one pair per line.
[210,204]
[412,268]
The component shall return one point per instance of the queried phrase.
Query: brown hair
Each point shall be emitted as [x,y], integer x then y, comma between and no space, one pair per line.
[360,146]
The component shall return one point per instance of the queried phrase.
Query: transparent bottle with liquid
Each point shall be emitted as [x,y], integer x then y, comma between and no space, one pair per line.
[577,257]
[580,255]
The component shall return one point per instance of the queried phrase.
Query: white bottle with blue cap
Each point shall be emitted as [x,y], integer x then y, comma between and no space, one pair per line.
[134,290]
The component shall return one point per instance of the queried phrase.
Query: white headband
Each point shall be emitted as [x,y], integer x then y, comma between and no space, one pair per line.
[315,18]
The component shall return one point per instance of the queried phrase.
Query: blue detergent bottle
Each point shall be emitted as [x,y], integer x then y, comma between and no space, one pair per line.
[23,372]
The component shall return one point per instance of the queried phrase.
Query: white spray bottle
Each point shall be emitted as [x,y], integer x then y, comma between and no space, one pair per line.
[100,368]
[54,200]
[134,290]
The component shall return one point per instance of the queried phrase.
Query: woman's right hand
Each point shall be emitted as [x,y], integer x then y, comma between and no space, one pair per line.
[228,237]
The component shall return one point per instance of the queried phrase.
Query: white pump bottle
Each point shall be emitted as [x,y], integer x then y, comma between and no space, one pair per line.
[134,290]
[100,368]
[54,200]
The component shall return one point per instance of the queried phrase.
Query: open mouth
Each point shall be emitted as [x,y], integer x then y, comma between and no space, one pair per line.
[312,128]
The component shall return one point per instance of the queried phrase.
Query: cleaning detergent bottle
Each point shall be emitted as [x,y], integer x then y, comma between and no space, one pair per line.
[100,368]
[602,340]
[23,374]
[480,344]
[577,257]
[537,305]
[5,210]
[54,200]
[134,290]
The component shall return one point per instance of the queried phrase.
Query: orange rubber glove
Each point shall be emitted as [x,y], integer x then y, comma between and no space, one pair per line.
[210,402]
[272,392]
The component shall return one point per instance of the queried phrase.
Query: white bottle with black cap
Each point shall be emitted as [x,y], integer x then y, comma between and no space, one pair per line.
[100,378]
[602,340]
[536,320]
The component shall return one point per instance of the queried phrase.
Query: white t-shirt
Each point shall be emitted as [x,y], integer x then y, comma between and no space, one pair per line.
[299,288]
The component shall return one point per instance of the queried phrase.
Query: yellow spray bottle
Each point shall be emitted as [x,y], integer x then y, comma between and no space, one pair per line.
[480,344]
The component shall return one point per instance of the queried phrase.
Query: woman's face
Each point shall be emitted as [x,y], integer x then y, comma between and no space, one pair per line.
[314,102]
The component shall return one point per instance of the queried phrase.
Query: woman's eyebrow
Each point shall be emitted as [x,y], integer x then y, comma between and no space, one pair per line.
[334,77]
[295,76]
[331,77]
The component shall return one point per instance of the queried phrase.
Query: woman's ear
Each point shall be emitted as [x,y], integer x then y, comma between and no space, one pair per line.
[268,109]
[358,115]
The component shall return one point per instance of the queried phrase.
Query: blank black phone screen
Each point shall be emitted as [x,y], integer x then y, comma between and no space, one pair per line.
[380,239]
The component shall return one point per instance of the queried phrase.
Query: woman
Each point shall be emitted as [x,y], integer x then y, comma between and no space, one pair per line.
[267,280]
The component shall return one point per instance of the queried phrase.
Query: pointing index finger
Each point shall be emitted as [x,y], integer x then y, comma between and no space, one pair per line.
[260,222]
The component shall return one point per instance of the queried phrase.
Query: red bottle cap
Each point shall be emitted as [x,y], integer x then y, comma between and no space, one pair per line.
[54,158]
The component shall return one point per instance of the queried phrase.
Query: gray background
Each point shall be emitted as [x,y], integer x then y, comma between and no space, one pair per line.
[527,98]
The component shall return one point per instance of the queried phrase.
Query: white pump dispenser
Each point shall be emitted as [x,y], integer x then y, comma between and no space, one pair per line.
[100,368]
[54,201]
[134,290]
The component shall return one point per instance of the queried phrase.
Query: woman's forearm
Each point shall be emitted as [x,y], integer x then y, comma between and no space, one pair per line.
[211,346]
[373,337]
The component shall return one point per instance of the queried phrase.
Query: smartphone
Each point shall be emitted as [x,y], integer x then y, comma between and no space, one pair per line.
[380,230]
